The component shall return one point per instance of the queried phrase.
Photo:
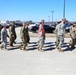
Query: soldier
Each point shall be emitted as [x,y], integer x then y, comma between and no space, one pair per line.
[41,35]
[60,31]
[4,36]
[28,37]
[12,33]
[73,35]
[24,34]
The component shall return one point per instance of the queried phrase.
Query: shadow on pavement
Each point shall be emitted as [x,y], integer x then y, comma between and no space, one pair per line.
[68,49]
[13,48]
[31,49]
[50,49]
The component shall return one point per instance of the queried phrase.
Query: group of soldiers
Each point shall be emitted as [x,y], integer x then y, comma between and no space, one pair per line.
[24,34]
[60,35]
[12,36]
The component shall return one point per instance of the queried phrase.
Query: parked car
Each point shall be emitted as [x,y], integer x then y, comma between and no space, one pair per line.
[30,27]
[18,24]
[48,29]
[67,27]
[7,25]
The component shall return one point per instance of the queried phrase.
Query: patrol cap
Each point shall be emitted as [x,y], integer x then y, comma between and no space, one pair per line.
[42,20]
[63,19]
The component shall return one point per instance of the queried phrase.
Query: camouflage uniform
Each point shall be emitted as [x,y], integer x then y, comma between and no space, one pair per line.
[24,34]
[4,36]
[73,35]
[28,37]
[60,30]
[12,34]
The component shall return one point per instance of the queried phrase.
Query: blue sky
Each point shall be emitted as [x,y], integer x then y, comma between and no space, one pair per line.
[36,10]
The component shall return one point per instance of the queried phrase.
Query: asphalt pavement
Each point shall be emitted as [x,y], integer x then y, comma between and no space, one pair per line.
[34,62]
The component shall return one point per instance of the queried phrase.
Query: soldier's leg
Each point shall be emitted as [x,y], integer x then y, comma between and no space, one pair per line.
[2,45]
[11,41]
[43,41]
[5,45]
[25,44]
[41,44]
[57,42]
[27,39]
[60,43]
[14,38]
[20,46]
[73,43]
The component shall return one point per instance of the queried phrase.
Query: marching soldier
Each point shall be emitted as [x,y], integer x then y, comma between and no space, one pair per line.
[24,35]
[60,31]
[12,33]
[28,37]
[4,36]
[73,36]
[41,35]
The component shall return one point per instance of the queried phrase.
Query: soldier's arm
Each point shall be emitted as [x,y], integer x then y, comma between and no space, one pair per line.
[40,30]
[10,30]
[2,35]
[21,32]
[70,30]
[56,29]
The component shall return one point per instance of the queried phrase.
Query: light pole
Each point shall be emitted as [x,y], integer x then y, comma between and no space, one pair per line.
[64,10]
[52,16]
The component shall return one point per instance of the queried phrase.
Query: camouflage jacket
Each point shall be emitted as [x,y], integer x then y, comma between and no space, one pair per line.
[12,30]
[60,29]
[73,32]
[23,32]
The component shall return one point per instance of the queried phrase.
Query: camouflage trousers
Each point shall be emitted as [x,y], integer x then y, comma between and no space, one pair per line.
[24,43]
[12,39]
[28,38]
[41,42]
[59,41]
[73,42]
[4,44]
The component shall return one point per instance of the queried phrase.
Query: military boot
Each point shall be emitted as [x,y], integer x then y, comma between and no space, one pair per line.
[20,47]
[1,47]
[41,50]
[59,50]
[24,49]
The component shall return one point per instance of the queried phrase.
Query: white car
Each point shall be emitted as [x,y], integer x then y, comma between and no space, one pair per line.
[31,26]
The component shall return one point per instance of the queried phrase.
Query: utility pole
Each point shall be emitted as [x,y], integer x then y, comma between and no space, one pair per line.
[64,10]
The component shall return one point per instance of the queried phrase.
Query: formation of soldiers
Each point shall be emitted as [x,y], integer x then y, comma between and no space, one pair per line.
[60,35]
